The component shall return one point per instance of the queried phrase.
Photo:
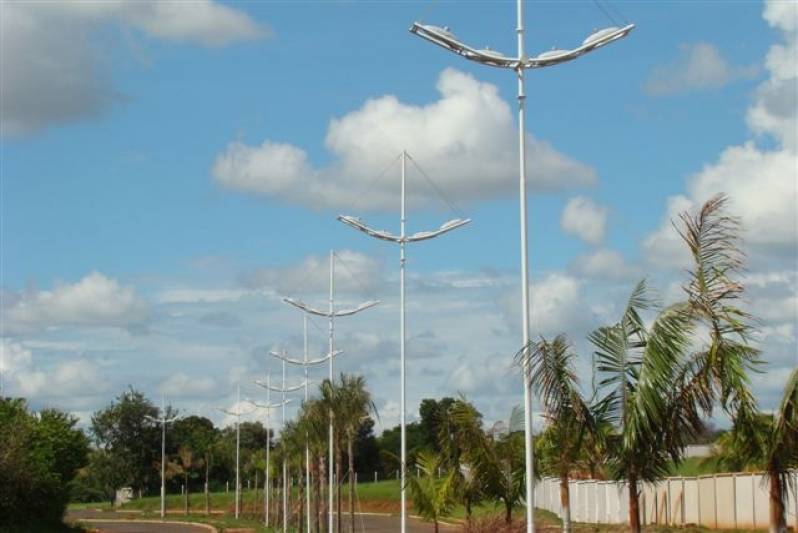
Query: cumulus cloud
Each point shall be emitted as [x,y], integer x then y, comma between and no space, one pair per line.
[55,70]
[761,182]
[465,141]
[585,219]
[555,304]
[22,376]
[605,264]
[700,66]
[354,272]
[184,386]
[182,295]
[94,301]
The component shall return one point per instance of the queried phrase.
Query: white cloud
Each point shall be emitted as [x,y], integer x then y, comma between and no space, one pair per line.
[95,300]
[465,141]
[22,376]
[181,385]
[178,295]
[354,271]
[775,110]
[700,66]
[605,264]
[554,303]
[585,219]
[762,183]
[55,70]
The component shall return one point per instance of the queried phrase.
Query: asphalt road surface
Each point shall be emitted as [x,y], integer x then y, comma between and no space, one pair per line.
[108,522]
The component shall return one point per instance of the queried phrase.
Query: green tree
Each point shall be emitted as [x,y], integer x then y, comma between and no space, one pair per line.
[569,418]
[313,420]
[769,444]
[460,437]
[638,367]
[201,436]
[40,454]
[355,407]
[431,412]
[123,430]
[433,495]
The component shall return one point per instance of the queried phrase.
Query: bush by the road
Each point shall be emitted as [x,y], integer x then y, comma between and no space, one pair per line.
[40,453]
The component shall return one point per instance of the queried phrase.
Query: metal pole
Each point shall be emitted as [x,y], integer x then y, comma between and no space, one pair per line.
[285,464]
[238,445]
[268,442]
[163,456]
[403,462]
[307,447]
[332,342]
[528,451]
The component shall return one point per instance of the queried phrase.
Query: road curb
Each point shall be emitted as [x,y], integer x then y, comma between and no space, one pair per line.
[128,521]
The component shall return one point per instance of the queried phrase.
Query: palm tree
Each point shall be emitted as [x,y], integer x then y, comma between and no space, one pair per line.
[330,398]
[770,444]
[460,436]
[638,367]
[313,419]
[655,389]
[355,407]
[553,378]
[719,370]
[184,464]
[433,496]
[497,460]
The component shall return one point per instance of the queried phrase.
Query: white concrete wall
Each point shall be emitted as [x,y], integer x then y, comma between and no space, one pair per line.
[737,500]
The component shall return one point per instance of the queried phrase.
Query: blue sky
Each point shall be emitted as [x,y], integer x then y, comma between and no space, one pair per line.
[170,169]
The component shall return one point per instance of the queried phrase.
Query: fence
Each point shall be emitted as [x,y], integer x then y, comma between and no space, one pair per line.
[717,501]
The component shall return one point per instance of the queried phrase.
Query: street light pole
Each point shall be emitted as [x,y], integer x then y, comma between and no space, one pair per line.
[330,314]
[402,239]
[306,363]
[268,407]
[163,420]
[283,389]
[443,37]
[237,414]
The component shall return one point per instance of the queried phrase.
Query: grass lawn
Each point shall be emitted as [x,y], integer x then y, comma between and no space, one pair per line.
[382,496]
[695,466]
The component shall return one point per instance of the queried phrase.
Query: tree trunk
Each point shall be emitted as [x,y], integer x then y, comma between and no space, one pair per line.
[508,512]
[207,496]
[634,505]
[778,524]
[436,526]
[339,479]
[323,501]
[185,499]
[565,504]
[316,501]
[350,452]
[257,487]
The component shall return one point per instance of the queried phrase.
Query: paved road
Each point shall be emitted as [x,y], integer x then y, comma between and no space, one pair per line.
[365,523]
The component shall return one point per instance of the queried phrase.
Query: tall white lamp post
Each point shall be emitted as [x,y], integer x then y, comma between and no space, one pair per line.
[305,363]
[283,390]
[163,420]
[331,314]
[268,406]
[443,37]
[237,413]
[402,239]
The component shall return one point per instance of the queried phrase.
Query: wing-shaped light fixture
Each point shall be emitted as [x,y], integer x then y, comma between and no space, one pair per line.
[443,37]
[341,312]
[309,362]
[359,225]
